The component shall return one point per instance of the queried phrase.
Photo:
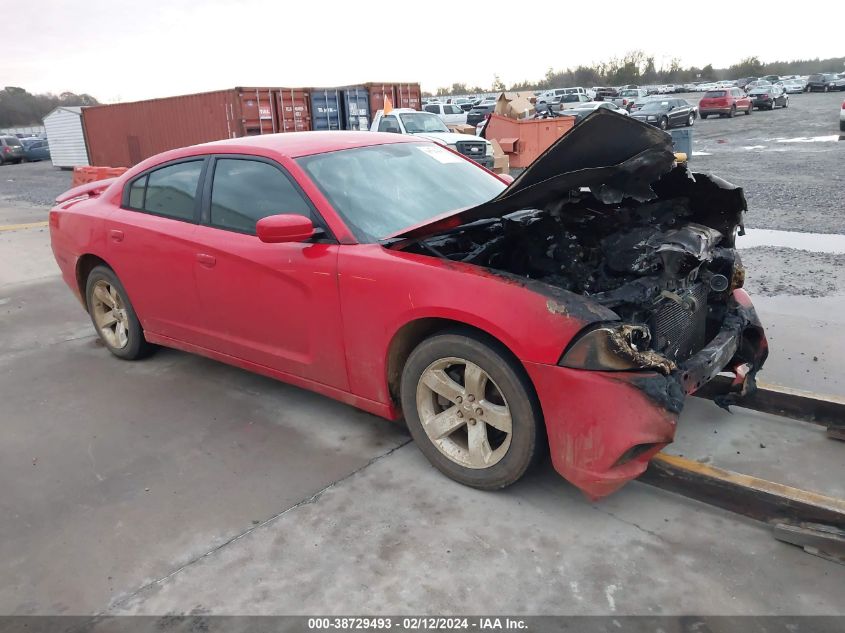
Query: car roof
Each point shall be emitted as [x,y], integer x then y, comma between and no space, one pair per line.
[295,144]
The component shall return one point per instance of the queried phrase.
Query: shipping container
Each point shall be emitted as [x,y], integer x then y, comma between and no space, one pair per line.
[340,108]
[325,109]
[401,95]
[124,134]
[63,127]
[356,108]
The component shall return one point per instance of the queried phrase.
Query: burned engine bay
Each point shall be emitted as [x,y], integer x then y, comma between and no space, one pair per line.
[657,263]
[609,214]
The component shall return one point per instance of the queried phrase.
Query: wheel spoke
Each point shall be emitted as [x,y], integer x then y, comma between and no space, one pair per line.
[107,319]
[443,424]
[440,383]
[120,330]
[114,296]
[475,380]
[479,446]
[496,415]
[102,295]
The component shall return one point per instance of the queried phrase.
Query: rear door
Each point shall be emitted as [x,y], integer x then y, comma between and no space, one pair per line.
[275,305]
[150,247]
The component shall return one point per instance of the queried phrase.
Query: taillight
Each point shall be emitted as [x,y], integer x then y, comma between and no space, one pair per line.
[843,105]
[6,150]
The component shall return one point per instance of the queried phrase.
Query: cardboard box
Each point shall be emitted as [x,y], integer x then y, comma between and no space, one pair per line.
[501,162]
[462,128]
[515,105]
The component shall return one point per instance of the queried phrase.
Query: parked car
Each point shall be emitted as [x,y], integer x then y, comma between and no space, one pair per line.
[567,102]
[548,99]
[666,113]
[480,112]
[448,112]
[794,86]
[35,149]
[756,84]
[427,125]
[767,97]
[626,98]
[772,79]
[11,149]
[742,83]
[398,280]
[583,109]
[604,93]
[838,83]
[725,102]
[820,82]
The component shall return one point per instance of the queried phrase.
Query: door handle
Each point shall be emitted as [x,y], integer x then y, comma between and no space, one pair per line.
[116,235]
[206,260]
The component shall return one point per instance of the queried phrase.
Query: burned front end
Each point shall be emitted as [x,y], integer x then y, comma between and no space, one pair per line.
[607,213]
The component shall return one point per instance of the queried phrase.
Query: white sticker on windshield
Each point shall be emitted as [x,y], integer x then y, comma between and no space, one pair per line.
[440,154]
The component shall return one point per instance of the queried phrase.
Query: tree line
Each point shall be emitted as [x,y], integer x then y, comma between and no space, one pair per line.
[18,107]
[637,67]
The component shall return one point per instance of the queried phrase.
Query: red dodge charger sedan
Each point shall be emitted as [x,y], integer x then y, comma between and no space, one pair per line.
[567,312]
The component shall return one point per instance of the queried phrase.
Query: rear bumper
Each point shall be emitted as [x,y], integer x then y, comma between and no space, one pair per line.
[604,427]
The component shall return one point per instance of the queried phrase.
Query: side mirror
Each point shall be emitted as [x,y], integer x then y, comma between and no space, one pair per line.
[277,229]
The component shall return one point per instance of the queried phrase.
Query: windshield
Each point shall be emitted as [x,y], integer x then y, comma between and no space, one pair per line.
[629,93]
[654,106]
[382,189]
[416,122]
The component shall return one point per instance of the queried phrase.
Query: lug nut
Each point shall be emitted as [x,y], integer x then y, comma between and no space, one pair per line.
[470,397]
[478,411]
[472,421]
[459,400]
[460,414]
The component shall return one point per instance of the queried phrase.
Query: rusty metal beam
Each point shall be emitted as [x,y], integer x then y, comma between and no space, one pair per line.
[825,410]
[750,496]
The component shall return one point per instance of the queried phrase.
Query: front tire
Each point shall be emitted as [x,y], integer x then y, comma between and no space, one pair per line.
[113,316]
[691,120]
[471,410]
[664,123]
[732,113]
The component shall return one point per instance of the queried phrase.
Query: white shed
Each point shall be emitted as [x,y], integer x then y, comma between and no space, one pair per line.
[66,138]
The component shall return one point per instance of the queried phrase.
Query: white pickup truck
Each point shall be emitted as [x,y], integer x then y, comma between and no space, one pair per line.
[429,126]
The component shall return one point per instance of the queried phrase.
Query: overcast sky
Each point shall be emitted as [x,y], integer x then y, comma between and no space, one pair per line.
[124,51]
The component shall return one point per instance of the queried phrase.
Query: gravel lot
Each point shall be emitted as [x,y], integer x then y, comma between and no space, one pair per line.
[33,184]
[789,161]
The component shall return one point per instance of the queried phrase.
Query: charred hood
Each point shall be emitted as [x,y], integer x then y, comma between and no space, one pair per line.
[617,158]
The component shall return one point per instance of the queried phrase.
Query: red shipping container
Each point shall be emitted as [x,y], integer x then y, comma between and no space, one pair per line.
[401,96]
[124,134]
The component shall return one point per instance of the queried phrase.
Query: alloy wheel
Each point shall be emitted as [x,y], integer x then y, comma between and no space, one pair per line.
[464,413]
[110,315]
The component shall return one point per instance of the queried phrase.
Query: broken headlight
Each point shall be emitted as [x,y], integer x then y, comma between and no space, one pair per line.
[615,347]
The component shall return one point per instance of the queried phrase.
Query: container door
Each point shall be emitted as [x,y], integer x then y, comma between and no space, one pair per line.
[407,96]
[356,109]
[258,111]
[292,106]
[378,92]
[325,110]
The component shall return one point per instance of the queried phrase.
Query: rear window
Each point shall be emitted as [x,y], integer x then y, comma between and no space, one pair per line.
[12,140]
[815,77]
[714,94]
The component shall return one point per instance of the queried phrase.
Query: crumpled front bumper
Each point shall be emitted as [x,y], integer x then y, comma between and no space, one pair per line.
[604,427]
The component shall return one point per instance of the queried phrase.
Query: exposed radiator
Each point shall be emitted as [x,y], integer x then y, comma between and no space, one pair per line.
[679,329]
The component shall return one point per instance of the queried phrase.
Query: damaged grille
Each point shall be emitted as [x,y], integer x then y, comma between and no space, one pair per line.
[679,323]
[473,149]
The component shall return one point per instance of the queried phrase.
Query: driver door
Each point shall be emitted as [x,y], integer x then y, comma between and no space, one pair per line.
[275,305]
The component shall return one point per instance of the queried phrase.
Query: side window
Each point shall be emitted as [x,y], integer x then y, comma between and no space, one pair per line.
[389,124]
[244,191]
[136,192]
[172,191]
[433,108]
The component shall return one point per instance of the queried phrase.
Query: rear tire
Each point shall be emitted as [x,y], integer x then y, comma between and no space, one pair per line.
[748,111]
[842,126]
[113,316]
[465,373]
[732,113]
[704,116]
